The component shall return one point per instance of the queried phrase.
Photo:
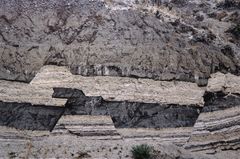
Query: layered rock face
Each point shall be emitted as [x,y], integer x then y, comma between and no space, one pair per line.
[175,41]
[143,102]
[207,127]
[118,74]
[217,127]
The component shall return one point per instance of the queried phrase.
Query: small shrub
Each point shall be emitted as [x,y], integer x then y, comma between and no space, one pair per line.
[142,151]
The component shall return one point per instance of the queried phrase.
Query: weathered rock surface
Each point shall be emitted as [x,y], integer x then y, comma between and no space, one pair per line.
[177,136]
[220,101]
[170,42]
[175,41]
[19,100]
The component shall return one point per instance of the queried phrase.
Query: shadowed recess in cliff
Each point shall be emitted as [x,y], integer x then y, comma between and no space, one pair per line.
[129,114]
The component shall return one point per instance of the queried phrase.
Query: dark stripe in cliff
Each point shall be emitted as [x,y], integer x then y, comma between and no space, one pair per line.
[129,114]
[220,101]
[28,116]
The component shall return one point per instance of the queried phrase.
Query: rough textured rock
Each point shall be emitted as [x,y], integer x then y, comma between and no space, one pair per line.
[19,100]
[216,131]
[169,42]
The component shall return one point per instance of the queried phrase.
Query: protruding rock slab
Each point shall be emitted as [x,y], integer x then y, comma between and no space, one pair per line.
[95,127]
[227,83]
[122,88]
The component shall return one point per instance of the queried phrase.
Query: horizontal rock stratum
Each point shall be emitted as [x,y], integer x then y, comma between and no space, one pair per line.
[122,88]
[22,92]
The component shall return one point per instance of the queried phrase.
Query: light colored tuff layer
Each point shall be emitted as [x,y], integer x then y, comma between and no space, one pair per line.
[95,127]
[178,136]
[227,83]
[122,88]
[25,93]
[218,130]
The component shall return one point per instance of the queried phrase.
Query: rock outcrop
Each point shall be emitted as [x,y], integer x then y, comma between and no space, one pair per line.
[40,104]
[113,38]
[204,131]
[91,79]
